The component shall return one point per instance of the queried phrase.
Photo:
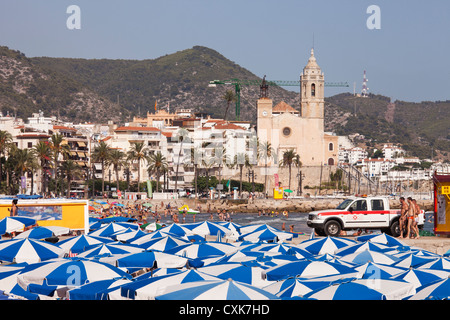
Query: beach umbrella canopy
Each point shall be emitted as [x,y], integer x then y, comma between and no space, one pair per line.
[369,256]
[151,226]
[176,229]
[256,227]
[437,290]
[129,235]
[151,259]
[292,287]
[9,225]
[362,246]
[265,235]
[28,250]
[79,243]
[43,232]
[203,249]
[237,272]
[163,243]
[108,230]
[381,238]
[106,249]
[96,290]
[230,225]
[306,268]
[148,288]
[208,228]
[67,272]
[421,277]
[154,235]
[214,290]
[441,263]
[364,289]
[8,276]
[412,260]
[324,245]
[371,270]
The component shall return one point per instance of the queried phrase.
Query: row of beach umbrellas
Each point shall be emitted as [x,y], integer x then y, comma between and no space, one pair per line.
[120,261]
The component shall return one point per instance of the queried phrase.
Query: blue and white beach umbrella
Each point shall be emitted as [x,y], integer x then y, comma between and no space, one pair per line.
[364,289]
[412,260]
[437,290]
[130,236]
[422,277]
[155,235]
[96,290]
[381,238]
[108,230]
[363,246]
[43,232]
[14,224]
[292,287]
[148,288]
[67,272]
[8,276]
[208,228]
[215,290]
[369,256]
[441,263]
[376,270]
[108,249]
[202,250]
[324,245]
[237,272]
[306,268]
[79,243]
[266,235]
[164,243]
[176,229]
[151,259]
[28,250]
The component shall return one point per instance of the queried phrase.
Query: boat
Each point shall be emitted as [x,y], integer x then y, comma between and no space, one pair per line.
[188,211]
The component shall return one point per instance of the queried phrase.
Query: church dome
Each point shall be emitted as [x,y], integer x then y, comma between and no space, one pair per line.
[312,63]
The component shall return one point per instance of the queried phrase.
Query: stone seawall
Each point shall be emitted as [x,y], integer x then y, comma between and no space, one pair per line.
[253,206]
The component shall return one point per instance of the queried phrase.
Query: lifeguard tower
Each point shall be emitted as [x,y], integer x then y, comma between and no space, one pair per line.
[441,203]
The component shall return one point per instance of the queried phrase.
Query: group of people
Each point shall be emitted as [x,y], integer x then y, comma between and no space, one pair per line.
[409,218]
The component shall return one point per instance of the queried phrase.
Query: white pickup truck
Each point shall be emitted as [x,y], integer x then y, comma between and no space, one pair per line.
[358,213]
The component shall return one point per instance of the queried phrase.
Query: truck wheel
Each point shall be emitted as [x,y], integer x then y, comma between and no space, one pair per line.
[395,229]
[332,228]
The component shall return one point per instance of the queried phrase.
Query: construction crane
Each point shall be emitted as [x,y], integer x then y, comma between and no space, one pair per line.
[238,83]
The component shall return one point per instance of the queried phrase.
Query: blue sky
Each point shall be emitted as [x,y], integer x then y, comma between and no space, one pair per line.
[407,59]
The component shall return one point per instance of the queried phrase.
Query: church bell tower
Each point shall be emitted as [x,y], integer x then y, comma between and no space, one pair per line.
[311,90]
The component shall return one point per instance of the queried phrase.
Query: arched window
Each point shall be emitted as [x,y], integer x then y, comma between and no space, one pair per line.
[330,146]
[313,90]
[330,161]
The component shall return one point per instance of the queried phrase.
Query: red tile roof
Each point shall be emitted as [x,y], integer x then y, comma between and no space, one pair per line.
[283,107]
[137,129]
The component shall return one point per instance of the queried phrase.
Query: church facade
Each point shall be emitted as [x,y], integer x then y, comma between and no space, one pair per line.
[302,130]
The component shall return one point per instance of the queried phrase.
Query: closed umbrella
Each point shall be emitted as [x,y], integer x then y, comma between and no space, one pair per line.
[28,250]
[324,245]
[148,288]
[43,232]
[306,268]
[215,290]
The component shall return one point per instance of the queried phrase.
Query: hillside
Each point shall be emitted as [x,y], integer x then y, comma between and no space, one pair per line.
[98,90]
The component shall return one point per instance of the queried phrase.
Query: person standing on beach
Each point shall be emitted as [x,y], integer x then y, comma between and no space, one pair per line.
[410,217]
[416,219]
[13,210]
[402,220]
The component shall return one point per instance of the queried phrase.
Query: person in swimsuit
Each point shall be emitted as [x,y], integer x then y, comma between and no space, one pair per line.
[402,220]
[416,219]
[410,217]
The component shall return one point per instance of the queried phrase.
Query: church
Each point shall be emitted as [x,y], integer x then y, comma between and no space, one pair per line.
[302,130]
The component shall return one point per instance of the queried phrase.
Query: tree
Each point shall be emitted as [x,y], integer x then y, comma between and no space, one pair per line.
[43,152]
[70,169]
[194,160]
[229,97]
[23,161]
[288,161]
[138,152]
[101,154]
[116,159]
[58,148]
[266,152]
[157,163]
[241,160]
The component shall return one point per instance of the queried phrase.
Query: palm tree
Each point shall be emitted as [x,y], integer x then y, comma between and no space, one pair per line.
[266,151]
[23,159]
[58,148]
[101,154]
[5,140]
[219,158]
[157,163]
[288,161]
[241,160]
[43,153]
[229,98]
[70,169]
[194,159]
[182,135]
[116,159]
[138,153]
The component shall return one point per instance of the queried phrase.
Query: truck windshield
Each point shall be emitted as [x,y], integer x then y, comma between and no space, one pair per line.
[344,204]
